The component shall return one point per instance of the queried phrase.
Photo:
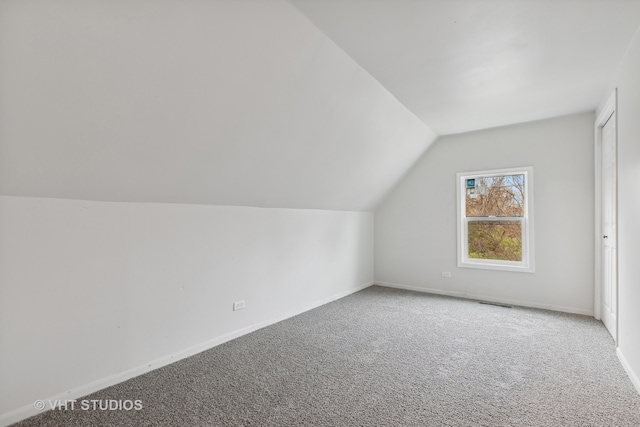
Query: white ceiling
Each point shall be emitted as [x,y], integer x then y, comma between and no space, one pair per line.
[209,102]
[256,103]
[462,65]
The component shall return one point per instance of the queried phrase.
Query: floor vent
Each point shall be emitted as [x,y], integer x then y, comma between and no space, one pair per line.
[495,303]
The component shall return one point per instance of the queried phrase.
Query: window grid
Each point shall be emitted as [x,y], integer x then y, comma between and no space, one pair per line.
[520,255]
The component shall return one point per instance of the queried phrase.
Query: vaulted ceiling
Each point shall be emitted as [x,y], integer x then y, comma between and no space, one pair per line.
[309,104]
[462,65]
[238,102]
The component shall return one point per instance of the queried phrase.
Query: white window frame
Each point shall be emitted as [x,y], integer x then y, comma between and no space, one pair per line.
[527,264]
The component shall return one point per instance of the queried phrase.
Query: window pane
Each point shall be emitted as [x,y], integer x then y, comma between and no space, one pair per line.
[500,196]
[499,240]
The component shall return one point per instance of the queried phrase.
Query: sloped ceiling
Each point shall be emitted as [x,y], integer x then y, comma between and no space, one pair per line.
[273,103]
[462,65]
[210,102]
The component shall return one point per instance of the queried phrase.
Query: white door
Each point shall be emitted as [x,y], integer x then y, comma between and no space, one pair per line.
[609,227]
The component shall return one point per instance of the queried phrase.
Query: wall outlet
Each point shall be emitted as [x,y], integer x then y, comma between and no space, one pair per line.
[238,305]
[446,274]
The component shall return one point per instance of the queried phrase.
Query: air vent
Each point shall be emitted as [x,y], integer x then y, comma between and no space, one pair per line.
[494,303]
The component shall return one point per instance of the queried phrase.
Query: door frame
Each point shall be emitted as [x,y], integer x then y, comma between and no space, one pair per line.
[609,108]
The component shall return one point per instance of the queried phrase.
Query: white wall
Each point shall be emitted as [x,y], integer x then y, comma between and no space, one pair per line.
[183,104]
[415,227]
[628,112]
[90,290]
[210,102]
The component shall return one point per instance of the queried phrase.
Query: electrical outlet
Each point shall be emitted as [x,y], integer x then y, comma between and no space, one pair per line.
[446,274]
[238,305]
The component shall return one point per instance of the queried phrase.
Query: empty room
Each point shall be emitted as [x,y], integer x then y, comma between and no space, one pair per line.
[319,213]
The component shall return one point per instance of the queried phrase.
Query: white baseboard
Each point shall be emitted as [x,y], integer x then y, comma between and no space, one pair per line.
[632,375]
[78,392]
[487,298]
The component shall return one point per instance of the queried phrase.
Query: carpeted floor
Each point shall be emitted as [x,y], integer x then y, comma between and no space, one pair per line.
[386,357]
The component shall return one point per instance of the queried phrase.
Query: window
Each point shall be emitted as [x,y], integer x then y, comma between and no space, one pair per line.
[495,219]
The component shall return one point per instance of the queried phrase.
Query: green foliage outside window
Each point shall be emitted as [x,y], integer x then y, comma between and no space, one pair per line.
[496,197]
[500,240]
